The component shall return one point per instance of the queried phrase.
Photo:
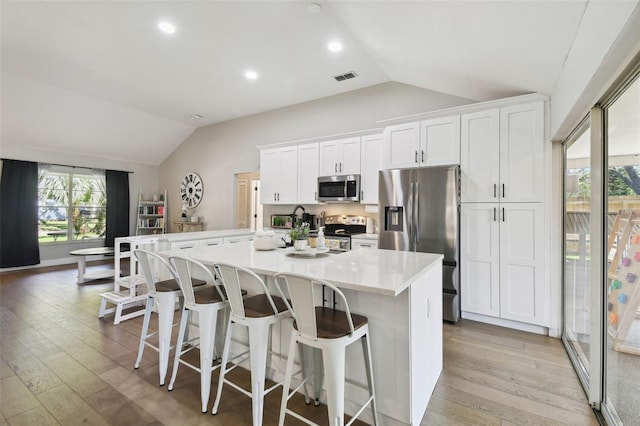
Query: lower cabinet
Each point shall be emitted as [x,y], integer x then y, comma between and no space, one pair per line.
[502,261]
[363,243]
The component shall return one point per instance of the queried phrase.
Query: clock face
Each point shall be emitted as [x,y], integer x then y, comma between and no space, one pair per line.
[191,190]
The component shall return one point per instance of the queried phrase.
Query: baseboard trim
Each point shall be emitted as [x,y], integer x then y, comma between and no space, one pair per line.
[531,328]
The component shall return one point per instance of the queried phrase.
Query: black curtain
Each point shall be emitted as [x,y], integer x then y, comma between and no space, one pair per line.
[19,214]
[117,206]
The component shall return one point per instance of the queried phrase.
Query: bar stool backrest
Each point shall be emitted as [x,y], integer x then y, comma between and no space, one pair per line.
[304,298]
[232,277]
[185,268]
[145,259]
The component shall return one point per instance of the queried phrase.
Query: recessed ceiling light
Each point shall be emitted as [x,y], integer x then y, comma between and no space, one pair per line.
[167,27]
[335,46]
[251,75]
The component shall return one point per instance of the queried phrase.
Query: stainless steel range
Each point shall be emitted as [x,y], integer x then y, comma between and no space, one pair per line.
[339,229]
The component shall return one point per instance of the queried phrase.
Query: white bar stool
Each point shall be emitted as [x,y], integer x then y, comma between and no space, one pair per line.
[207,301]
[331,331]
[164,294]
[257,313]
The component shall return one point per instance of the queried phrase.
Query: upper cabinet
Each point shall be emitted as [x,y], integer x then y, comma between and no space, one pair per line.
[502,154]
[426,143]
[308,173]
[340,157]
[279,175]
[370,165]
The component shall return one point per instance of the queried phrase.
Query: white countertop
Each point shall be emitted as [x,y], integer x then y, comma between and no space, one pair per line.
[189,236]
[384,272]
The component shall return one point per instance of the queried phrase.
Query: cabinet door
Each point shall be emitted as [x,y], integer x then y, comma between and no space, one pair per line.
[401,144]
[363,243]
[269,175]
[480,156]
[480,258]
[329,158]
[370,165]
[349,163]
[522,153]
[308,173]
[523,289]
[440,141]
[288,184]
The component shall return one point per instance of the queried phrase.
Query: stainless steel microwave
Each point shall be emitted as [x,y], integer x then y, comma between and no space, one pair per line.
[341,189]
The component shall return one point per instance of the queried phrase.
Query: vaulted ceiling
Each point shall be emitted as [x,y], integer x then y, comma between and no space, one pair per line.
[99,78]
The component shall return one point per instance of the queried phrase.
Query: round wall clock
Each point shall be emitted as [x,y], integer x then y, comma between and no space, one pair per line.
[191,190]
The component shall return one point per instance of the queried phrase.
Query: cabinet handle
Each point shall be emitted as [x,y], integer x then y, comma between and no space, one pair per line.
[335,167]
[494,190]
[503,190]
[274,197]
[422,156]
[416,157]
[340,167]
[494,214]
[278,196]
[361,195]
[503,214]
[315,195]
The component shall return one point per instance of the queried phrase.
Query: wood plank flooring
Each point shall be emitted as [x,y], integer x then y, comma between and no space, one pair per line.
[60,364]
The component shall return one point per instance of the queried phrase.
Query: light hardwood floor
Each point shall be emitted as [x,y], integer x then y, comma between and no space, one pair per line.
[62,365]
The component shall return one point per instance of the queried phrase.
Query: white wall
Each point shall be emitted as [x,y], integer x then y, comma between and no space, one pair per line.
[143,177]
[219,151]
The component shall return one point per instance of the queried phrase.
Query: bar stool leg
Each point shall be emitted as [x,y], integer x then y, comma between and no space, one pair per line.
[144,331]
[366,347]
[184,323]
[166,303]
[223,364]
[258,341]
[334,366]
[318,375]
[207,320]
[287,380]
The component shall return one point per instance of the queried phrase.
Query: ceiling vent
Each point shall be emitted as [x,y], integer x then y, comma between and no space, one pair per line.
[347,76]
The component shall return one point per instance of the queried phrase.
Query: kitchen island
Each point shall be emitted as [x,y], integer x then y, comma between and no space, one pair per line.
[400,293]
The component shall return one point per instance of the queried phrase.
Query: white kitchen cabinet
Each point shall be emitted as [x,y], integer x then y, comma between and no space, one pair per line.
[340,157]
[420,144]
[279,175]
[440,141]
[401,145]
[370,165]
[308,164]
[502,154]
[502,261]
[211,242]
[363,243]
[237,239]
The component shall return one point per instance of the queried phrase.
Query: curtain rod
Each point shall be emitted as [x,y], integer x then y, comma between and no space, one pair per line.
[67,165]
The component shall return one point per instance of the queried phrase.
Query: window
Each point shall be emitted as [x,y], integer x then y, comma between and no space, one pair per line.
[71,204]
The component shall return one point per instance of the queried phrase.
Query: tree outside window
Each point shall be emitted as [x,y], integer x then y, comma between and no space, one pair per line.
[71,204]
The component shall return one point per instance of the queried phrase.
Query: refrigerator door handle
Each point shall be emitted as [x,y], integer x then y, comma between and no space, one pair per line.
[410,202]
[416,208]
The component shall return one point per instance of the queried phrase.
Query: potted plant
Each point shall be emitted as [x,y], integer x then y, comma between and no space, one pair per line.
[299,236]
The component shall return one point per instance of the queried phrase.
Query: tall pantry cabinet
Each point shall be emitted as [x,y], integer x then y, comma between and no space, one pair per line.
[503,271]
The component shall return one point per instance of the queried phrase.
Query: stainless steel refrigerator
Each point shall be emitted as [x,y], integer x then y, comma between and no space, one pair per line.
[419,211]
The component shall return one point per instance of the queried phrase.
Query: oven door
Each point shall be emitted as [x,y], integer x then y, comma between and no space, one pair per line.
[337,244]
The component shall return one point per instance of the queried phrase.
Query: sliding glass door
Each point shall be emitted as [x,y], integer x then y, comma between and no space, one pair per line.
[622,359]
[601,286]
[577,240]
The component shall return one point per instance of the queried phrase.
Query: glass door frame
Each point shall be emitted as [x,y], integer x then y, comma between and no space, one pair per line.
[594,378]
